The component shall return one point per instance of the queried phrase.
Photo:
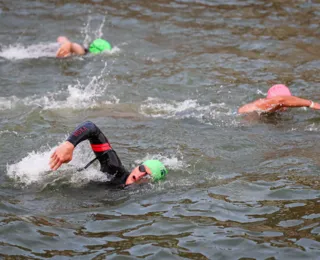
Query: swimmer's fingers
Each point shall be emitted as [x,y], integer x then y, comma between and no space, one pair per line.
[316,106]
[63,154]
[59,53]
[54,161]
[57,165]
[62,53]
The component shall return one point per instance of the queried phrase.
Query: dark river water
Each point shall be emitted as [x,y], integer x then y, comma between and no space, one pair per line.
[238,187]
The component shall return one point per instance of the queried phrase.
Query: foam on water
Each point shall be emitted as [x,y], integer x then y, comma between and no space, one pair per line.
[312,128]
[8,132]
[154,107]
[8,102]
[18,51]
[78,96]
[31,168]
[174,162]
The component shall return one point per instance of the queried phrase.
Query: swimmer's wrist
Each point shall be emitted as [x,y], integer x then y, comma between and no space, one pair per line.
[69,144]
[311,104]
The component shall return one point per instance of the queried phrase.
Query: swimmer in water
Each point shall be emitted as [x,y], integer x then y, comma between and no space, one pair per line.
[68,48]
[279,98]
[108,158]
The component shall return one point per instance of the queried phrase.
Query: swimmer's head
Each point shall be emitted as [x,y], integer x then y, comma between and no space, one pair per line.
[62,39]
[153,169]
[99,45]
[278,90]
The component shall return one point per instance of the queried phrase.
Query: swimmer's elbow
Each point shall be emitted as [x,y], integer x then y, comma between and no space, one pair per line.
[77,49]
[242,110]
[89,124]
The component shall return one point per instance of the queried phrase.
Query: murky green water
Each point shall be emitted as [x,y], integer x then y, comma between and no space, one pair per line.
[238,187]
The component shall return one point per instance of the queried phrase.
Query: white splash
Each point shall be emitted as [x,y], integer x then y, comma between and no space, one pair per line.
[154,107]
[261,92]
[87,32]
[78,96]
[114,50]
[34,168]
[18,51]
[7,103]
[311,128]
[172,162]
[31,168]
[99,32]
[8,132]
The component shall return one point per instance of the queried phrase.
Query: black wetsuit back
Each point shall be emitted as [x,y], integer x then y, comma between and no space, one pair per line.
[108,158]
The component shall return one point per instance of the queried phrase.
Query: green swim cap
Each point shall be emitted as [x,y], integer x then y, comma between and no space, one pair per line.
[99,45]
[158,170]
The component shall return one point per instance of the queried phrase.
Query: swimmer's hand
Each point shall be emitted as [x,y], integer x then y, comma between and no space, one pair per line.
[64,50]
[63,154]
[314,105]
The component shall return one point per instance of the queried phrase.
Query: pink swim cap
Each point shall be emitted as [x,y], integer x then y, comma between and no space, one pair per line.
[278,90]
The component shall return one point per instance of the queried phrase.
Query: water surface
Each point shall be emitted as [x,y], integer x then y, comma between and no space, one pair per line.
[238,187]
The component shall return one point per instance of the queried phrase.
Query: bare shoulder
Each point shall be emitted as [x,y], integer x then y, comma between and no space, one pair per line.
[77,49]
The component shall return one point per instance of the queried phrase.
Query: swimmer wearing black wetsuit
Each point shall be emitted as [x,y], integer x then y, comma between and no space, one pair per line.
[108,158]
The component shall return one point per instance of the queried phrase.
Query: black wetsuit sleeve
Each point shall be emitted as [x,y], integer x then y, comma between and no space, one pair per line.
[87,130]
[100,145]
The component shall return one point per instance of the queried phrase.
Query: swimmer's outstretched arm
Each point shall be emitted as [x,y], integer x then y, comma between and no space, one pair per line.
[85,131]
[276,103]
[67,48]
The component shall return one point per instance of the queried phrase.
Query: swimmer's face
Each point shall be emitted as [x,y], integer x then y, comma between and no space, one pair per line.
[140,174]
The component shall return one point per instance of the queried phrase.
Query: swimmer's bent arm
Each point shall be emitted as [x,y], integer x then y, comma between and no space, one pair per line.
[67,48]
[86,130]
[276,103]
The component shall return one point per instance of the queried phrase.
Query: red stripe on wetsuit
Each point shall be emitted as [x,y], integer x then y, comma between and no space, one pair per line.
[101,147]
